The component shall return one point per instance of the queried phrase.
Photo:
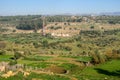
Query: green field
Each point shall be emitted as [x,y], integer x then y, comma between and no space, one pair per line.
[91,52]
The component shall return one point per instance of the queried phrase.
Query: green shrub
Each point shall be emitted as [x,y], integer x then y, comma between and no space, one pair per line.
[12,62]
[97,57]
[14,30]
[45,43]
[17,55]
[2,52]
[67,48]
[36,45]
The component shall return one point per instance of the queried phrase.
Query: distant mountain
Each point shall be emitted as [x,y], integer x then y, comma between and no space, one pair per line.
[111,13]
[94,14]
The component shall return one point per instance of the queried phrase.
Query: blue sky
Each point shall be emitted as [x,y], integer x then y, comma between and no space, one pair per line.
[25,7]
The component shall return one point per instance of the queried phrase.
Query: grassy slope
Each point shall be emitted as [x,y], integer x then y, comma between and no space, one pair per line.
[109,70]
[5,58]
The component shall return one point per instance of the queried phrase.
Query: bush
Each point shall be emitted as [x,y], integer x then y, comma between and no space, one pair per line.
[111,22]
[79,45]
[30,25]
[2,45]
[67,48]
[2,52]
[36,45]
[45,43]
[12,62]
[55,27]
[92,27]
[17,55]
[98,58]
[14,31]
[113,53]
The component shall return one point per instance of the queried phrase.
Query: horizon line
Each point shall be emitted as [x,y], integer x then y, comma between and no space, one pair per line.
[100,13]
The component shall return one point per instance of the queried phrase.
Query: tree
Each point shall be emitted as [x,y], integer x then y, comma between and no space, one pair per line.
[2,52]
[36,45]
[111,22]
[92,27]
[45,43]
[98,58]
[17,54]
[30,25]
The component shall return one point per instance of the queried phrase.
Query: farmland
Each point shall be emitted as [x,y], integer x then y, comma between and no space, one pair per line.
[73,47]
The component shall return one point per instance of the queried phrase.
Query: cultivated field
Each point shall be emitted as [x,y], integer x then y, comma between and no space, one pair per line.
[73,49]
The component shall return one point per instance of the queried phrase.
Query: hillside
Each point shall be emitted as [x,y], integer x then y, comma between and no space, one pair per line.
[72,48]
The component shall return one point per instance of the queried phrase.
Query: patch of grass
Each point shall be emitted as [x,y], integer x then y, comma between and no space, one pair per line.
[34,64]
[111,65]
[83,59]
[47,77]
[68,66]
[22,61]
[5,57]
[109,70]
[80,58]
[37,58]
[40,64]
